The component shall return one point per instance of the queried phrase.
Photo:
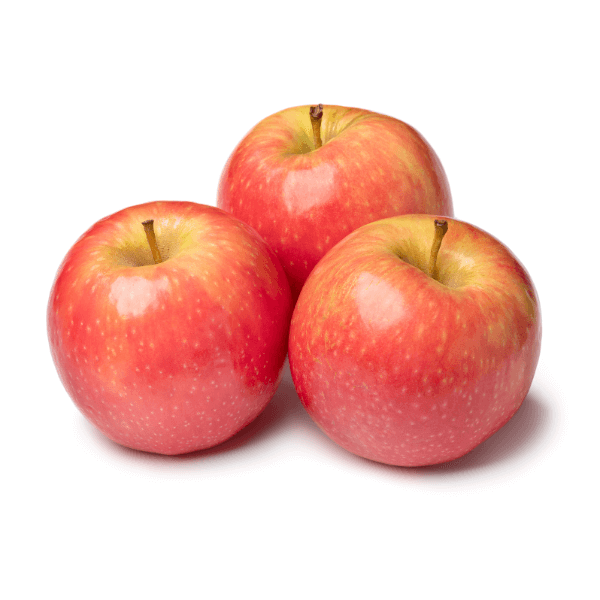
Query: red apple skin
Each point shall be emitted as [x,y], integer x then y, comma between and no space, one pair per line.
[177,356]
[303,200]
[399,368]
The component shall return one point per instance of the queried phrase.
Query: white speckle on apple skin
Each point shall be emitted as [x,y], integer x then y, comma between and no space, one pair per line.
[388,393]
[146,391]
[273,180]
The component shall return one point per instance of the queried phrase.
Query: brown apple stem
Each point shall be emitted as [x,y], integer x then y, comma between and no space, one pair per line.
[149,228]
[316,114]
[440,231]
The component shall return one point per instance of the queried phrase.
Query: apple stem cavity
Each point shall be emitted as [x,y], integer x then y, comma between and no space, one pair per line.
[441,227]
[316,114]
[149,228]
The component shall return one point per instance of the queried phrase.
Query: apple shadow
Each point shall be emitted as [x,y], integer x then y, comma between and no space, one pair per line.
[524,431]
[284,407]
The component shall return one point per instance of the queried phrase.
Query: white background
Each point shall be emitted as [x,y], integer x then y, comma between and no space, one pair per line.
[108,104]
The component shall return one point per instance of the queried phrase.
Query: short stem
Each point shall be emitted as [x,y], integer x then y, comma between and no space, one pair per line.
[149,228]
[440,231]
[316,114]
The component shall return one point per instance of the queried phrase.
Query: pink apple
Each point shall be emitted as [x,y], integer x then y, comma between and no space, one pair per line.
[408,363]
[175,356]
[303,197]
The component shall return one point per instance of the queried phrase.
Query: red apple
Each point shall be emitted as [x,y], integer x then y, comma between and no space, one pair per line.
[303,197]
[175,356]
[410,360]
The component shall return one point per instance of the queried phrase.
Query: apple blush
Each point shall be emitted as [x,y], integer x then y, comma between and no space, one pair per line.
[168,325]
[414,339]
[305,177]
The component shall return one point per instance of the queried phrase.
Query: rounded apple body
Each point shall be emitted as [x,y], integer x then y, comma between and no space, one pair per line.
[407,369]
[303,200]
[176,356]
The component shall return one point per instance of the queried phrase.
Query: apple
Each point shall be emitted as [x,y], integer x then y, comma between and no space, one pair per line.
[168,325]
[305,177]
[410,348]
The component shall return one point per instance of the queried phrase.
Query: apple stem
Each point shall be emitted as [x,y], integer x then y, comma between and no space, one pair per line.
[316,114]
[149,228]
[441,227]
